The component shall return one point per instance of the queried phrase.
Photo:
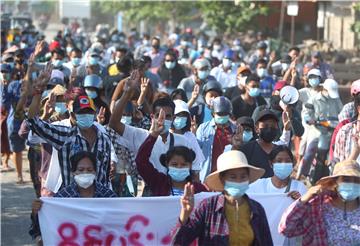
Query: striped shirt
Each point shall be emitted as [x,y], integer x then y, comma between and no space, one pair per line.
[68,141]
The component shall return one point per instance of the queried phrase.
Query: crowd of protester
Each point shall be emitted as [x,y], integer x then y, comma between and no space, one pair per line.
[124,117]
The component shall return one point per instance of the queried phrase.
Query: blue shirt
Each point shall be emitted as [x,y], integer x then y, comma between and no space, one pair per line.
[266,86]
[205,136]
[10,98]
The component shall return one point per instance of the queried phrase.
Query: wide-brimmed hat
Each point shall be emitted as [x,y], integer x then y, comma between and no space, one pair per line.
[344,168]
[231,160]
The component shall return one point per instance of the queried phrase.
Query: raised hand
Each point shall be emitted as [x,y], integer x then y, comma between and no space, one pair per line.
[39,47]
[193,127]
[237,138]
[49,105]
[43,78]
[195,92]
[286,120]
[313,191]
[187,203]
[101,115]
[157,125]
[144,85]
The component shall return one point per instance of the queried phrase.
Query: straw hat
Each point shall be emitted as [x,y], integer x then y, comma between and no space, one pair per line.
[231,160]
[345,168]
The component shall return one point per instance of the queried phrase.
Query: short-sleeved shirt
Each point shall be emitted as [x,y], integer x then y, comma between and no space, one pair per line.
[266,186]
[257,157]
[136,136]
[241,108]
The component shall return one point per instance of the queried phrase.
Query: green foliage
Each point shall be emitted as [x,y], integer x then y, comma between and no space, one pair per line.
[222,16]
[228,17]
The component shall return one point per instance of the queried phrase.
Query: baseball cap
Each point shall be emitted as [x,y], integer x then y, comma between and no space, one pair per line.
[181,106]
[93,80]
[332,87]
[261,45]
[57,77]
[264,114]
[279,85]
[200,63]
[242,69]
[83,102]
[315,72]
[229,54]
[286,59]
[245,120]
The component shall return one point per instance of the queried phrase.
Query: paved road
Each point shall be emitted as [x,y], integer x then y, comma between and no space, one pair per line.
[15,208]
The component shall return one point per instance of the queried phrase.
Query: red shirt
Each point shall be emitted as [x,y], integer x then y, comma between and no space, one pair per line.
[221,139]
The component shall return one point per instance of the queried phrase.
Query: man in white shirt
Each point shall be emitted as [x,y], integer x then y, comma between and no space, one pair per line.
[225,73]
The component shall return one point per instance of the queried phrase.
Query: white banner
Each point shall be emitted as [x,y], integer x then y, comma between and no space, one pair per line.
[129,221]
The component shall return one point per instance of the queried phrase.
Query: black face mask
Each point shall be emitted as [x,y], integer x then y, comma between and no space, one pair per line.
[156,46]
[268,134]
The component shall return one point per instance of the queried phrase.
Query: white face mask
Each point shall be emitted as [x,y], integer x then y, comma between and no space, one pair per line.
[84,180]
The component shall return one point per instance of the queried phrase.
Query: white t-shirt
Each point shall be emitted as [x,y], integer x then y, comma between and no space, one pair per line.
[266,186]
[136,137]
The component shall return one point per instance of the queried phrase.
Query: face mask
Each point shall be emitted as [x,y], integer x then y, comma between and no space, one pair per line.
[180,122]
[84,180]
[93,61]
[167,125]
[261,72]
[23,45]
[179,174]
[126,120]
[183,43]
[314,82]
[68,49]
[84,120]
[57,63]
[282,170]
[201,49]
[268,134]
[75,61]
[156,46]
[284,66]
[349,191]
[203,74]
[227,63]
[236,189]
[247,136]
[11,64]
[254,92]
[91,94]
[217,47]
[221,120]
[146,42]
[60,107]
[170,65]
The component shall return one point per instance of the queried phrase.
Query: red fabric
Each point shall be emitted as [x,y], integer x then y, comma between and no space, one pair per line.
[54,45]
[5,146]
[221,139]
[333,138]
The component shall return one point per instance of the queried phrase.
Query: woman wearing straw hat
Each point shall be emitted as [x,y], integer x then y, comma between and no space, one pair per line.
[329,213]
[230,218]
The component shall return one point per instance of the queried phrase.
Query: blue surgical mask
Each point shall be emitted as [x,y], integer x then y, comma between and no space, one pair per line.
[68,49]
[254,92]
[314,82]
[282,170]
[247,136]
[92,94]
[75,61]
[226,63]
[167,125]
[126,120]
[180,122]
[11,64]
[60,107]
[84,120]
[93,61]
[170,65]
[57,63]
[261,72]
[203,74]
[221,120]
[349,191]
[236,189]
[179,174]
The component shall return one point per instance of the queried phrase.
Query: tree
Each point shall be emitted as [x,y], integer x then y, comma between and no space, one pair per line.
[356,26]
[232,16]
